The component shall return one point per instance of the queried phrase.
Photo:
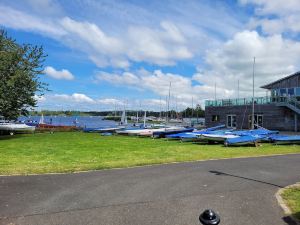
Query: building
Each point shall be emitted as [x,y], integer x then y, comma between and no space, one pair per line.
[280,111]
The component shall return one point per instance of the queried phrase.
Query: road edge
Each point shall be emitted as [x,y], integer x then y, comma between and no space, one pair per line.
[282,204]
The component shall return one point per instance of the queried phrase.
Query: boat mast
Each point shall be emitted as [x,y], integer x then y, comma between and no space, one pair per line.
[169,102]
[166,115]
[176,108]
[252,124]
[215,91]
[159,107]
[238,94]
[145,117]
[192,110]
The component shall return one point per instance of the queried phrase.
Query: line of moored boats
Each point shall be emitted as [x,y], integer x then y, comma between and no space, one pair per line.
[218,134]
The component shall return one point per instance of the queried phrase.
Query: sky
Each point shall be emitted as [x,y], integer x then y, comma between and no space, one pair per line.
[109,54]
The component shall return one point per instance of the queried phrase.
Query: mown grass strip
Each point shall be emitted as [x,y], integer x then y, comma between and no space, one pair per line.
[76,151]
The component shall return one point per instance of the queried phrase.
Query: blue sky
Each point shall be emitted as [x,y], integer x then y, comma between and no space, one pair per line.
[107,54]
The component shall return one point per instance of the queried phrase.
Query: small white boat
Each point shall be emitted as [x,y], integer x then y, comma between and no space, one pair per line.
[12,128]
[217,137]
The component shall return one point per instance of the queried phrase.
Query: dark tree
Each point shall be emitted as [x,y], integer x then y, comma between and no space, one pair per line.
[20,68]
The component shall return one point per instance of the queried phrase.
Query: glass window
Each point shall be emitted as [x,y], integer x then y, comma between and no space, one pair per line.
[215,118]
[298,91]
[231,121]
[291,91]
[273,92]
[282,91]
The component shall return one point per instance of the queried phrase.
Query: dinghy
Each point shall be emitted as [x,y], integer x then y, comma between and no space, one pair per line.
[285,139]
[12,128]
[169,131]
[216,137]
[193,135]
[243,140]
[103,129]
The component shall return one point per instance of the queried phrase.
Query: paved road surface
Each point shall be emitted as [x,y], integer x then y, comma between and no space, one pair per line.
[241,190]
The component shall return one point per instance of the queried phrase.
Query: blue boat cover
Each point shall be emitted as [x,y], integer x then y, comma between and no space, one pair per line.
[259,131]
[285,138]
[195,133]
[215,128]
[242,139]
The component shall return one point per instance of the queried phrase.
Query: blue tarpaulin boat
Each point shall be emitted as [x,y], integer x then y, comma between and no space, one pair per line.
[193,135]
[285,139]
[243,140]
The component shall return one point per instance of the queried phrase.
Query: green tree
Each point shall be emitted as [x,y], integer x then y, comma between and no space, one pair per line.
[20,68]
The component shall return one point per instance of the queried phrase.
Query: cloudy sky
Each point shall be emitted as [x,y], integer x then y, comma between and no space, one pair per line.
[103,54]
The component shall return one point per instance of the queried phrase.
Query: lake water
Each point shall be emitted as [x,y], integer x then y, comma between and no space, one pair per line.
[85,121]
[82,121]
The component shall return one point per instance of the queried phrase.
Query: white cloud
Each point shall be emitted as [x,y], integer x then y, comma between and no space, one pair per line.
[58,74]
[276,16]
[22,21]
[110,101]
[233,61]
[40,98]
[278,7]
[83,102]
[275,58]
[182,89]
[162,46]
[125,79]
[76,97]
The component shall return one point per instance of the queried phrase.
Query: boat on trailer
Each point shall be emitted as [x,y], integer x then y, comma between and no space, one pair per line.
[12,128]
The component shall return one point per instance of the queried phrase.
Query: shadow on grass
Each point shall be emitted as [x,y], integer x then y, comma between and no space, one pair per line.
[288,219]
[9,137]
[218,173]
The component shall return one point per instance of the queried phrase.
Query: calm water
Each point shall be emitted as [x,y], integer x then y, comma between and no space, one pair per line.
[82,121]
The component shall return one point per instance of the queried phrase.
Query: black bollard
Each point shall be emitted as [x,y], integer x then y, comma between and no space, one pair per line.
[209,217]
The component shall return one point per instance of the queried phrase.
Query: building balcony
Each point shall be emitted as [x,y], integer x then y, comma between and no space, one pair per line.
[248,101]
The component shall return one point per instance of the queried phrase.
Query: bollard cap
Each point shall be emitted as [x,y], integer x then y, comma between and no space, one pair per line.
[209,217]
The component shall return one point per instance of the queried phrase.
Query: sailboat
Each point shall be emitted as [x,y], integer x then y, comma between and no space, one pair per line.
[42,119]
[123,118]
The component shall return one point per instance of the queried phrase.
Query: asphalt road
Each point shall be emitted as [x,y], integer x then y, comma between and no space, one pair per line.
[241,190]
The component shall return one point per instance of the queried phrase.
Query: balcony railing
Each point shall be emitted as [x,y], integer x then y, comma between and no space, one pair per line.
[248,101]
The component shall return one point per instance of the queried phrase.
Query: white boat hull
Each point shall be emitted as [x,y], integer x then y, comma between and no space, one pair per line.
[216,137]
[14,127]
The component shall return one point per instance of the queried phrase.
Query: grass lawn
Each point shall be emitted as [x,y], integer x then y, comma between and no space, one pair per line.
[291,197]
[76,151]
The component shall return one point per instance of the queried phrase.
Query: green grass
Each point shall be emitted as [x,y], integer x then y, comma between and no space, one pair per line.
[291,197]
[76,151]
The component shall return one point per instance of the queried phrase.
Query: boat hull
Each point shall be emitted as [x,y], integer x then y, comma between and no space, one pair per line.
[16,128]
